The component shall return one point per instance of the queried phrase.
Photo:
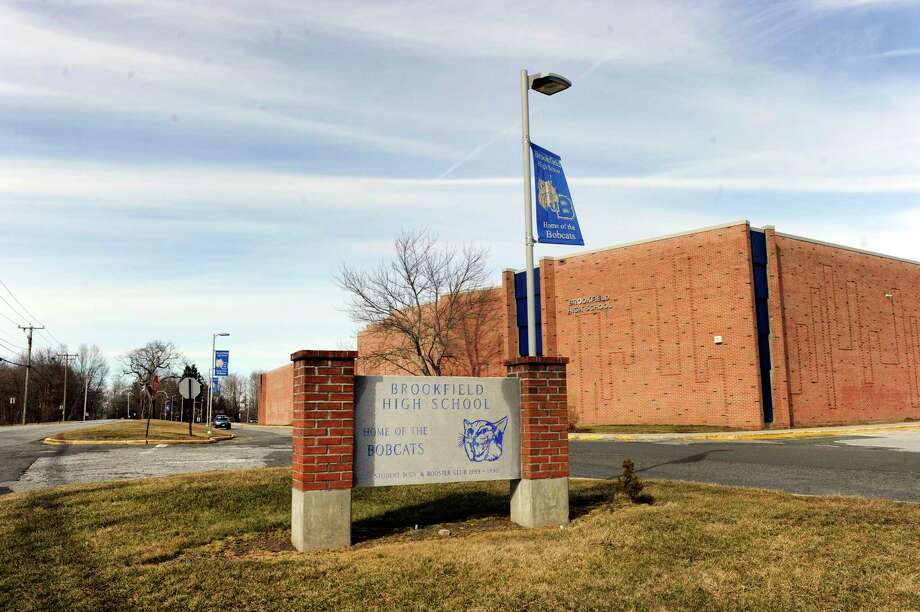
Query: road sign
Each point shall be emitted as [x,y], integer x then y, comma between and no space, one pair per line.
[221,363]
[189,388]
[155,385]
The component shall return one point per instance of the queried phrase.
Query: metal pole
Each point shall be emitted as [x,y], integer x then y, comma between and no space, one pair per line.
[25,395]
[85,392]
[528,215]
[211,379]
[64,405]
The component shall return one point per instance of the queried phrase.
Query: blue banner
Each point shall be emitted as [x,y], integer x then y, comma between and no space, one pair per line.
[556,220]
[221,363]
[215,386]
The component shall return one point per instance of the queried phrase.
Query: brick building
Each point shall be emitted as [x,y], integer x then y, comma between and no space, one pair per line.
[731,326]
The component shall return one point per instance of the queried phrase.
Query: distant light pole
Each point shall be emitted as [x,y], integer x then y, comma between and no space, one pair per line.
[65,360]
[547,83]
[211,374]
[85,394]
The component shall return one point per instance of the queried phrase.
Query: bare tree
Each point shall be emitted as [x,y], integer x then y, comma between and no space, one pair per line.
[118,401]
[233,390]
[417,303]
[154,358]
[255,390]
[92,367]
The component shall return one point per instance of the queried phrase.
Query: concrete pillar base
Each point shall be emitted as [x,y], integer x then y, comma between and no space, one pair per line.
[320,519]
[540,502]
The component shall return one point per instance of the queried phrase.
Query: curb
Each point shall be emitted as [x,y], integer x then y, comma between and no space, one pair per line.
[52,441]
[740,436]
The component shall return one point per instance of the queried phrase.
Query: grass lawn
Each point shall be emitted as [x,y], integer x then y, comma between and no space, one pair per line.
[221,540]
[134,430]
[651,429]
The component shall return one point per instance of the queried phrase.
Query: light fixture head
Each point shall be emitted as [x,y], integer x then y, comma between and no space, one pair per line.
[223,334]
[549,83]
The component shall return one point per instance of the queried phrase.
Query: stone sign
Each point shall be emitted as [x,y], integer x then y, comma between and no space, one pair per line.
[417,430]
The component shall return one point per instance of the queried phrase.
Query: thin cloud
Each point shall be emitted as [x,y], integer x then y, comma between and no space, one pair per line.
[907,52]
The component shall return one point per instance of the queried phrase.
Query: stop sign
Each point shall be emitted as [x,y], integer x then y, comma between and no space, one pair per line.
[189,388]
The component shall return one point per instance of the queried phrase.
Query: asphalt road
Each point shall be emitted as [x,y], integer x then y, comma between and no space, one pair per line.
[20,447]
[26,463]
[884,465]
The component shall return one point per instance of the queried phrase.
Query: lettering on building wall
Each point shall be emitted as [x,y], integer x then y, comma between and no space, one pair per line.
[589,303]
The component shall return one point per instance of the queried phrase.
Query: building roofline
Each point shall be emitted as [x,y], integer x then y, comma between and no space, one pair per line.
[647,240]
[847,248]
[717,227]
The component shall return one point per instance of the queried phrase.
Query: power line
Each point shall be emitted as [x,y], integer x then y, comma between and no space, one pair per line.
[13,308]
[51,342]
[47,332]
[10,343]
[54,338]
[34,318]
[9,319]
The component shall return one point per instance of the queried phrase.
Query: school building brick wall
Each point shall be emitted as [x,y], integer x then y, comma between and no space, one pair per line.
[852,334]
[645,351]
[276,396]
[681,330]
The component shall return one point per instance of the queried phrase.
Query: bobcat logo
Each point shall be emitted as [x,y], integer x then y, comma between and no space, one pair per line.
[482,440]
[548,198]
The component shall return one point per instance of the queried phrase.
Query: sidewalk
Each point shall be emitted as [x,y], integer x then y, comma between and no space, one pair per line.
[761,434]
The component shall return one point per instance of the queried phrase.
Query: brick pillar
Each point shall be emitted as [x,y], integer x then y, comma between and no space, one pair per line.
[511,345]
[541,497]
[548,306]
[323,448]
[782,409]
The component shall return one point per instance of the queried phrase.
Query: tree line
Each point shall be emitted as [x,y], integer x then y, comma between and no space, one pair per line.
[64,386]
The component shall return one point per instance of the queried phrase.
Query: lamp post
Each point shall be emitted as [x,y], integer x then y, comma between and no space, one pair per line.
[547,83]
[211,374]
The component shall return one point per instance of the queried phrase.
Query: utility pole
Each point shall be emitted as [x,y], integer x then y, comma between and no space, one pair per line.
[25,396]
[85,393]
[65,359]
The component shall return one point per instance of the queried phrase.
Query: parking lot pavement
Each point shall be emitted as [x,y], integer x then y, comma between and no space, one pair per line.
[882,465]
[46,466]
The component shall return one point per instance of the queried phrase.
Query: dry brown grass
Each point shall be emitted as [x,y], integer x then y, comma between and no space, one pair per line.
[134,430]
[220,541]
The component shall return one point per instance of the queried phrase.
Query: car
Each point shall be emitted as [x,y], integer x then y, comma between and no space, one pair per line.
[253,419]
[222,421]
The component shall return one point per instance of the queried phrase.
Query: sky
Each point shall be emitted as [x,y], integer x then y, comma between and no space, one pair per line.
[171,169]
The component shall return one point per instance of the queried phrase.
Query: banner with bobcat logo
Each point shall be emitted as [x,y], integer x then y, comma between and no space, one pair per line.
[556,219]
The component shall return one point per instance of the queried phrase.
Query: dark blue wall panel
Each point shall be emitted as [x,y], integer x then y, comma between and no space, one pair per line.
[520,296]
[761,298]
